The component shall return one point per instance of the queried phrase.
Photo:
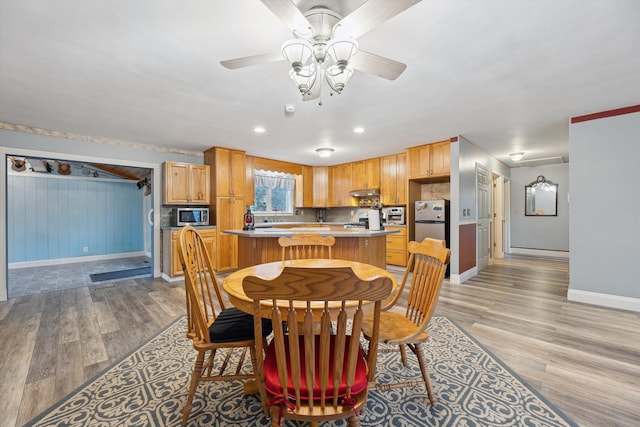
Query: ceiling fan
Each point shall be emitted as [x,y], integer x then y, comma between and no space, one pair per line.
[324,47]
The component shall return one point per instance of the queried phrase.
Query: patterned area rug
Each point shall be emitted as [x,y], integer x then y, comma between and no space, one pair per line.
[149,388]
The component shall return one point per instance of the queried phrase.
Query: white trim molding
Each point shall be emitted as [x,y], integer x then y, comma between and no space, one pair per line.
[60,261]
[539,252]
[605,300]
[458,279]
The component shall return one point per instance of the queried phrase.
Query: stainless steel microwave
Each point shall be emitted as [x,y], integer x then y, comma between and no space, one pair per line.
[189,216]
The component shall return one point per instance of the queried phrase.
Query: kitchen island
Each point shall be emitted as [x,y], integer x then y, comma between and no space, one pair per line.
[260,246]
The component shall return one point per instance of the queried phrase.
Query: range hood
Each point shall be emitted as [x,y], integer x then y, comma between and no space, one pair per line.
[366,192]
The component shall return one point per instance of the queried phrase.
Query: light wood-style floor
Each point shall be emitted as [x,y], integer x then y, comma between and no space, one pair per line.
[585,359]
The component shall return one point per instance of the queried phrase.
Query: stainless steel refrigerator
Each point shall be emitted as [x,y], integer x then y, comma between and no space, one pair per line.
[432,220]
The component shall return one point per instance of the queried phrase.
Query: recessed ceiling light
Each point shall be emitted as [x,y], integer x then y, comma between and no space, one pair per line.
[259,129]
[358,129]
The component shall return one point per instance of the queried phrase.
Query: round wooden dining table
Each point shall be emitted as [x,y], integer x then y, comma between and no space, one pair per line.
[232,284]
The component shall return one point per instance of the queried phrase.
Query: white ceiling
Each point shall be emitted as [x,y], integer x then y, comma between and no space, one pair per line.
[507,75]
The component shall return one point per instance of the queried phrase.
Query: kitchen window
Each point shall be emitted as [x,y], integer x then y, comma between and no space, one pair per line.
[273,193]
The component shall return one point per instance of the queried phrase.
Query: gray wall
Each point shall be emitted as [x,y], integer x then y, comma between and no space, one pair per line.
[605,206]
[540,232]
[464,156]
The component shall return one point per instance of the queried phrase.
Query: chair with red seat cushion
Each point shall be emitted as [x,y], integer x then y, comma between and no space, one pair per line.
[317,371]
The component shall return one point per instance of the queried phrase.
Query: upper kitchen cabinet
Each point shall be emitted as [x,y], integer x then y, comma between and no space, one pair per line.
[366,174]
[230,174]
[320,186]
[430,160]
[393,180]
[340,184]
[249,186]
[185,184]
[304,188]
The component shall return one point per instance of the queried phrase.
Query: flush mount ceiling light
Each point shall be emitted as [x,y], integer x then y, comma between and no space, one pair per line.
[358,130]
[324,152]
[259,129]
[516,157]
[324,46]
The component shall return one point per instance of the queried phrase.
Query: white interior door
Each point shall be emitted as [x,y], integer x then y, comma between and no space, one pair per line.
[483,220]
[498,216]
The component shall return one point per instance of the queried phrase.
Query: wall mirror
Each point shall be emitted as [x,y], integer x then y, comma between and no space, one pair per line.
[541,198]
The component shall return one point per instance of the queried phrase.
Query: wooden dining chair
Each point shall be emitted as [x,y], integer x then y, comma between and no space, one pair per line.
[428,260]
[316,371]
[306,246]
[211,325]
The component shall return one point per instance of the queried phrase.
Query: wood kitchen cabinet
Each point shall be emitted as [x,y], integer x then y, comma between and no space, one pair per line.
[393,180]
[340,184]
[366,174]
[230,170]
[397,246]
[230,212]
[228,202]
[320,186]
[430,160]
[171,265]
[185,184]
[304,188]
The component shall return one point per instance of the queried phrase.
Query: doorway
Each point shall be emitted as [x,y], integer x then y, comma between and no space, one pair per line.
[149,207]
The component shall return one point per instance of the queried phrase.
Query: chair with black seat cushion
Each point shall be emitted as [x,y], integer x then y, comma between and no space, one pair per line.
[317,371]
[211,325]
[408,327]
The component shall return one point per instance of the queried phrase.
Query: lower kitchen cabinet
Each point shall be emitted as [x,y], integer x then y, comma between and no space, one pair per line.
[171,265]
[397,246]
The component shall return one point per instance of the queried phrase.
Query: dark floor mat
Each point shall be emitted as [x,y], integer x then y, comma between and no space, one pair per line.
[112,275]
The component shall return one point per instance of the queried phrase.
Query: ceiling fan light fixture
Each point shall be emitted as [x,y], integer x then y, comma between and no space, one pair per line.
[325,151]
[297,52]
[338,78]
[305,78]
[341,51]
[516,157]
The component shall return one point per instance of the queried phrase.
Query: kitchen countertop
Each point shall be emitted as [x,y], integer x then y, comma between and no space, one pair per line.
[315,224]
[334,231]
[199,227]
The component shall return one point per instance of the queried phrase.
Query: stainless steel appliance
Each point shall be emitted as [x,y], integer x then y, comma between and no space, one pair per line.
[189,216]
[393,215]
[432,220]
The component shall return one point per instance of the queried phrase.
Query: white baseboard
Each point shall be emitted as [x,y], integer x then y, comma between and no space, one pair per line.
[167,278]
[458,279]
[59,261]
[539,252]
[605,300]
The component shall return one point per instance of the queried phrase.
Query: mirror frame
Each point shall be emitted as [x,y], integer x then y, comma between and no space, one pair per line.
[529,196]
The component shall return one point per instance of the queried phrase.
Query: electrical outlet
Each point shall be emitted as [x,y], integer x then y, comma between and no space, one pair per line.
[85,249]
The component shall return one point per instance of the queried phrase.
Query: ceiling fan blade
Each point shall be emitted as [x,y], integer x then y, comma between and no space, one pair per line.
[249,61]
[377,65]
[288,13]
[370,15]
